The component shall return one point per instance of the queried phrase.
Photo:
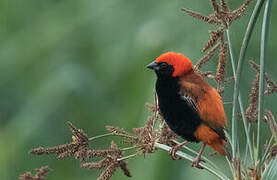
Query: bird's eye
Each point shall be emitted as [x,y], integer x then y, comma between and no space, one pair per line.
[163,65]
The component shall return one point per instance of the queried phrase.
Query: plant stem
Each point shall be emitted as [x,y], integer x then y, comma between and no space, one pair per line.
[247,147]
[243,49]
[264,37]
[128,148]
[209,168]
[126,157]
[100,136]
[194,152]
[267,149]
[246,129]
[108,134]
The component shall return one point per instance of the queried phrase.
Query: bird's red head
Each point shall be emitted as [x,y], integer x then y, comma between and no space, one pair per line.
[180,63]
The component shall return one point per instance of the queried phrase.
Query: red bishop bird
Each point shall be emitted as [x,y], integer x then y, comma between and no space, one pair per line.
[190,106]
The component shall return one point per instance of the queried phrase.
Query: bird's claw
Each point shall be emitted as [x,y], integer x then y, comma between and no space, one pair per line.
[196,162]
[173,151]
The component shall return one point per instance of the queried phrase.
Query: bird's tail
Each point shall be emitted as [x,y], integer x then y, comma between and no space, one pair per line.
[208,136]
[219,146]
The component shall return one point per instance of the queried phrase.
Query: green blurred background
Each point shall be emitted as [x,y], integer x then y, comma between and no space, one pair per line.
[84,61]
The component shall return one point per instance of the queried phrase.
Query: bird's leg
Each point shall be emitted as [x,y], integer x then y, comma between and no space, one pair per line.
[176,148]
[198,158]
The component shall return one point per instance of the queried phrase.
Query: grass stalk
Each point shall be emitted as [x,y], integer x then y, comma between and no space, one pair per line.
[100,136]
[129,148]
[264,37]
[246,39]
[109,134]
[246,129]
[267,149]
[127,157]
[196,153]
[206,166]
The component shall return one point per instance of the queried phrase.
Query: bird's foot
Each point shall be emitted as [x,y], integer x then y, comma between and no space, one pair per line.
[176,148]
[173,151]
[196,162]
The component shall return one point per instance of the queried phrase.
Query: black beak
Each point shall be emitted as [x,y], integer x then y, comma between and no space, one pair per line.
[153,65]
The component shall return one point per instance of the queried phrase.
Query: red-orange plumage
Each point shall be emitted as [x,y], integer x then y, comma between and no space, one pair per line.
[204,99]
[208,136]
[191,107]
[180,62]
[210,109]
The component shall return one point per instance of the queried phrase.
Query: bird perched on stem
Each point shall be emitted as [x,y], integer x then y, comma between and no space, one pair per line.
[190,106]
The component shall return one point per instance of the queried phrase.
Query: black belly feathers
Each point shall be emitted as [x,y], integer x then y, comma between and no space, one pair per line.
[178,111]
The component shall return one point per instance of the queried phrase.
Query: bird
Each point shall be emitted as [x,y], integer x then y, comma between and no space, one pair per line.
[191,107]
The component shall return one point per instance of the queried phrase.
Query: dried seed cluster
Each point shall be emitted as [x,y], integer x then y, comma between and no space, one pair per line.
[109,163]
[40,174]
[143,139]
[270,120]
[273,151]
[77,148]
[222,17]
[167,135]
[271,86]
[146,137]
[252,109]
[207,57]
